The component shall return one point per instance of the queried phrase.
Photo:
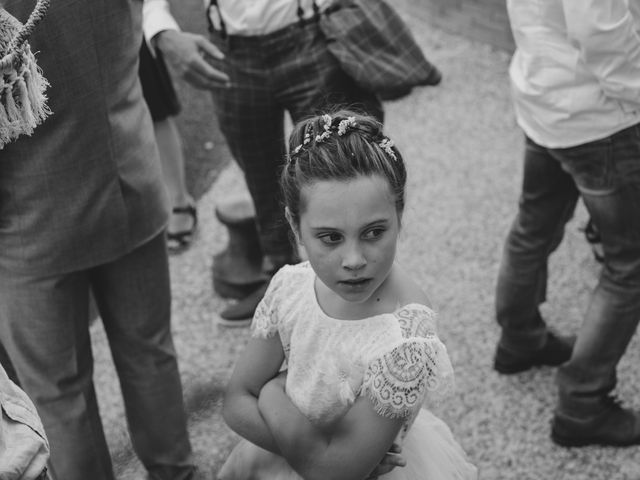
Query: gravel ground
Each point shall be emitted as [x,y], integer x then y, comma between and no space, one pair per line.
[464,156]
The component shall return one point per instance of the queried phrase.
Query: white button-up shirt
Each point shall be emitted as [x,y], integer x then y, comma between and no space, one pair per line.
[241,17]
[575,73]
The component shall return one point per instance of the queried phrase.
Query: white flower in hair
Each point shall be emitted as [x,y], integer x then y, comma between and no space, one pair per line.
[344,125]
[323,136]
[327,128]
[387,145]
[327,122]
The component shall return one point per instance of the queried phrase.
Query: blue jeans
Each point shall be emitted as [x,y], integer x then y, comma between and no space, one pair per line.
[606,174]
[44,325]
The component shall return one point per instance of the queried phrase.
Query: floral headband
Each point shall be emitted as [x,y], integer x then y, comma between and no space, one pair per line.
[343,127]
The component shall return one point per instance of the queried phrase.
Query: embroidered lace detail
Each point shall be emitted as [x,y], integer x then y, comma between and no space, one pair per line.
[417,321]
[399,382]
[265,319]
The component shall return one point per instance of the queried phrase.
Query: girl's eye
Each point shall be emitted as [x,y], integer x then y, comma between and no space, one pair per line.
[330,238]
[373,234]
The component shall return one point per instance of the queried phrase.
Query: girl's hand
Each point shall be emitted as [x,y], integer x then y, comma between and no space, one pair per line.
[280,380]
[391,460]
[272,390]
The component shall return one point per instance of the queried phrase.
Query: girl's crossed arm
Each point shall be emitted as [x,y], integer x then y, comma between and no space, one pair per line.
[351,450]
[260,362]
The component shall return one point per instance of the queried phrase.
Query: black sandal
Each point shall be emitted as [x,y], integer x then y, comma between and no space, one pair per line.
[592,235]
[178,242]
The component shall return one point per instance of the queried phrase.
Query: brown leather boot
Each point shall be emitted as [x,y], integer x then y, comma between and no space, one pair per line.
[237,270]
[240,313]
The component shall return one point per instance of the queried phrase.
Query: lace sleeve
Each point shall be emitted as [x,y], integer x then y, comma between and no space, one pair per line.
[412,372]
[265,319]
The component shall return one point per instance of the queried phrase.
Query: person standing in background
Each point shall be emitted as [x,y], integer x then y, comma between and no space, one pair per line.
[274,59]
[576,87]
[83,207]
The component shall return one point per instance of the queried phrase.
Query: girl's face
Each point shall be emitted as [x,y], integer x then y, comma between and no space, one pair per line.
[349,230]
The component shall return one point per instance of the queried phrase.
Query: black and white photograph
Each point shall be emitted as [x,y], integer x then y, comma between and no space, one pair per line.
[319,239]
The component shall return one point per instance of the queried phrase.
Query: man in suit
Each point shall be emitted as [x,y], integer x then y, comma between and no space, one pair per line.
[82,207]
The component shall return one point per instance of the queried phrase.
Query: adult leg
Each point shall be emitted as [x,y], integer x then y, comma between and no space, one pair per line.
[253,125]
[608,175]
[161,98]
[183,220]
[134,299]
[44,326]
[547,202]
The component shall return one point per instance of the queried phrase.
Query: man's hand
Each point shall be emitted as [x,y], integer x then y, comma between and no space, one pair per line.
[187,54]
[391,460]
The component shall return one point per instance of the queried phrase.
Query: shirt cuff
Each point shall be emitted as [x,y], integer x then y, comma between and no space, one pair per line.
[156,18]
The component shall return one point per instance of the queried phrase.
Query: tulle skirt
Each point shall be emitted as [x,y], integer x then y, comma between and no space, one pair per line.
[429,448]
[432,453]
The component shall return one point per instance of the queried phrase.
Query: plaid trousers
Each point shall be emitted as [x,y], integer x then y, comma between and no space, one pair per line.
[290,70]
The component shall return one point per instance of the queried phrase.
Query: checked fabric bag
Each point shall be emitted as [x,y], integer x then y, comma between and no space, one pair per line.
[375,47]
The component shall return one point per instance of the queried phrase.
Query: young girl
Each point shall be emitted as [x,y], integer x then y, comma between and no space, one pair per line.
[356,334]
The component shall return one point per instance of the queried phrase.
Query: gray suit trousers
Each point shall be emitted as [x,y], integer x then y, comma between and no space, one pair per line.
[44,325]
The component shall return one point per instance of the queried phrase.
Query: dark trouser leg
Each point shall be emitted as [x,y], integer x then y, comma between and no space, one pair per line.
[290,70]
[134,299]
[44,327]
[253,125]
[608,175]
[547,202]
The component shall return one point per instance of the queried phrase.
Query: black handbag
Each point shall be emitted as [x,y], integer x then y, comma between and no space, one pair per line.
[375,47]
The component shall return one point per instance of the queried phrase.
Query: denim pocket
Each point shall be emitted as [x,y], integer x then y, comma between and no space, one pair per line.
[590,165]
[626,156]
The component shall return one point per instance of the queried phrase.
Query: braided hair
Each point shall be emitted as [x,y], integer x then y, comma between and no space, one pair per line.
[340,146]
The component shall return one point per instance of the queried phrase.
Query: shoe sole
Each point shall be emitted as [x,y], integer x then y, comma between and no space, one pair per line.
[569,442]
[223,322]
[512,369]
[235,291]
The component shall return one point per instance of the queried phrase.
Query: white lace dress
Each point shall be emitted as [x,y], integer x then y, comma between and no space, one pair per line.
[395,359]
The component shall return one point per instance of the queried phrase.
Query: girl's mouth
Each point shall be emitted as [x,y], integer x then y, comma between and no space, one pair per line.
[356,283]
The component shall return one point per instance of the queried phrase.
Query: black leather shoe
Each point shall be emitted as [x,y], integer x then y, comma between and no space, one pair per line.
[555,351]
[612,426]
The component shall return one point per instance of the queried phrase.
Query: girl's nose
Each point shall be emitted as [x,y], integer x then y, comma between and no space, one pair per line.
[353,259]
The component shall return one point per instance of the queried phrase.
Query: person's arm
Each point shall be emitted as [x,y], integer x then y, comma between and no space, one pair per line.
[258,364]
[186,52]
[605,32]
[157,17]
[350,450]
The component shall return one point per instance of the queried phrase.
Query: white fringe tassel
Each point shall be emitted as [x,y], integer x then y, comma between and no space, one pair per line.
[22,98]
